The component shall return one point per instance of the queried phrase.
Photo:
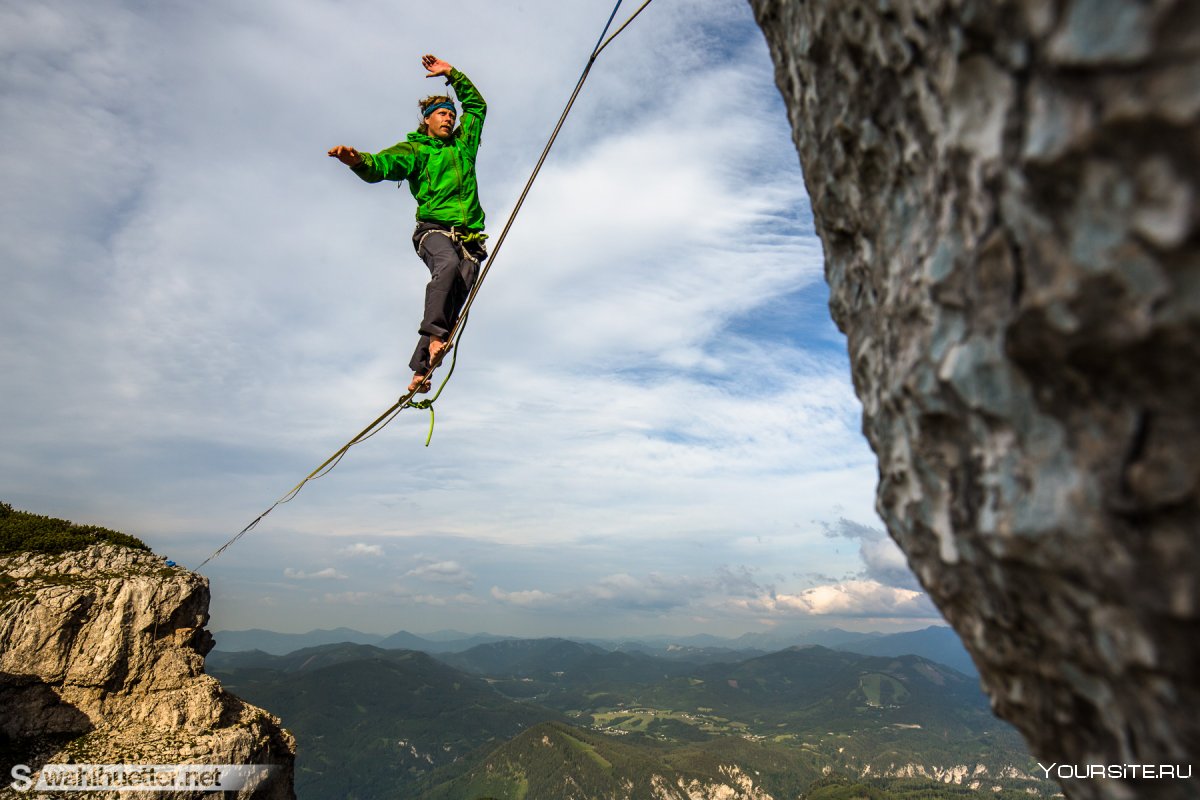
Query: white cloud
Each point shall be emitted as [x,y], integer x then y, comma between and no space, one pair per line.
[442,572]
[882,558]
[361,549]
[348,598]
[460,599]
[327,573]
[847,599]
[527,598]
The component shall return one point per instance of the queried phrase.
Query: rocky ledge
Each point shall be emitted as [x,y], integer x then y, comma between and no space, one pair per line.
[102,662]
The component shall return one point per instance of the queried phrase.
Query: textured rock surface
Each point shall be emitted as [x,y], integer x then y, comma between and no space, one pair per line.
[1008,196]
[102,662]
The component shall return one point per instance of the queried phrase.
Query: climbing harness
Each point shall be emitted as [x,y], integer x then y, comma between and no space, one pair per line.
[407,401]
[456,236]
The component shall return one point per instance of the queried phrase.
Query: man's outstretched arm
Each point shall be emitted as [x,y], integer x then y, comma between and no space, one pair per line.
[392,164]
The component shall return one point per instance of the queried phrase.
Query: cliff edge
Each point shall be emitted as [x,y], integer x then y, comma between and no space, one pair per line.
[102,662]
[1008,196]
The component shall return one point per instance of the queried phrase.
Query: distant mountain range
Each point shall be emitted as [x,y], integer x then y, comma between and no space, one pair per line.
[283,643]
[554,718]
[937,643]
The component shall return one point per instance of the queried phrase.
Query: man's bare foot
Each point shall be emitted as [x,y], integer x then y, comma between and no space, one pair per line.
[420,384]
[437,349]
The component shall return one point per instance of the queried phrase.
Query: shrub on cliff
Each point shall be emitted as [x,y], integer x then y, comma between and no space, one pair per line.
[22,532]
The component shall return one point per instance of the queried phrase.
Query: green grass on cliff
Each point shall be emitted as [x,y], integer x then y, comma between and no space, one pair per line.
[22,532]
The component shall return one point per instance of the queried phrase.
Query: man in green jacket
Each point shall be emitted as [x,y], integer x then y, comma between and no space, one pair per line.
[438,161]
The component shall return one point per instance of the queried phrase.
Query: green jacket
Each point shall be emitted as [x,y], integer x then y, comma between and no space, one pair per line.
[440,174]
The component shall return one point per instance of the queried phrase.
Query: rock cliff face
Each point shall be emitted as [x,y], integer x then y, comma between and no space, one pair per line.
[102,662]
[1008,193]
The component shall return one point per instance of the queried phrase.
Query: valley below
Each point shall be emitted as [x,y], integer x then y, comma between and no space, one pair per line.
[516,719]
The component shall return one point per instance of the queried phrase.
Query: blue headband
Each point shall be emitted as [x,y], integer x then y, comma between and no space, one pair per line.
[425,112]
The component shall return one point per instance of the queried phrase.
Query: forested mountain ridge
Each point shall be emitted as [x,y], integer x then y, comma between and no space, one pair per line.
[415,724]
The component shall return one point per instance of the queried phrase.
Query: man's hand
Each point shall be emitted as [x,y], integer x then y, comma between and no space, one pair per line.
[347,155]
[435,66]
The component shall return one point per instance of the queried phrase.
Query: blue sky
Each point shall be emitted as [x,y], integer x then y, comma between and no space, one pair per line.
[651,428]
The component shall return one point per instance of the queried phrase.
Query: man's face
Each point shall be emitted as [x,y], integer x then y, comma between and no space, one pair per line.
[441,123]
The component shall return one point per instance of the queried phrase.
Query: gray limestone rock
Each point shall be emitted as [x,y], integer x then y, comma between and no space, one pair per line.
[1008,194]
[102,662]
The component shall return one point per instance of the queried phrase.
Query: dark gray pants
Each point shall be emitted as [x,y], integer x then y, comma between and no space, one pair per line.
[453,271]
